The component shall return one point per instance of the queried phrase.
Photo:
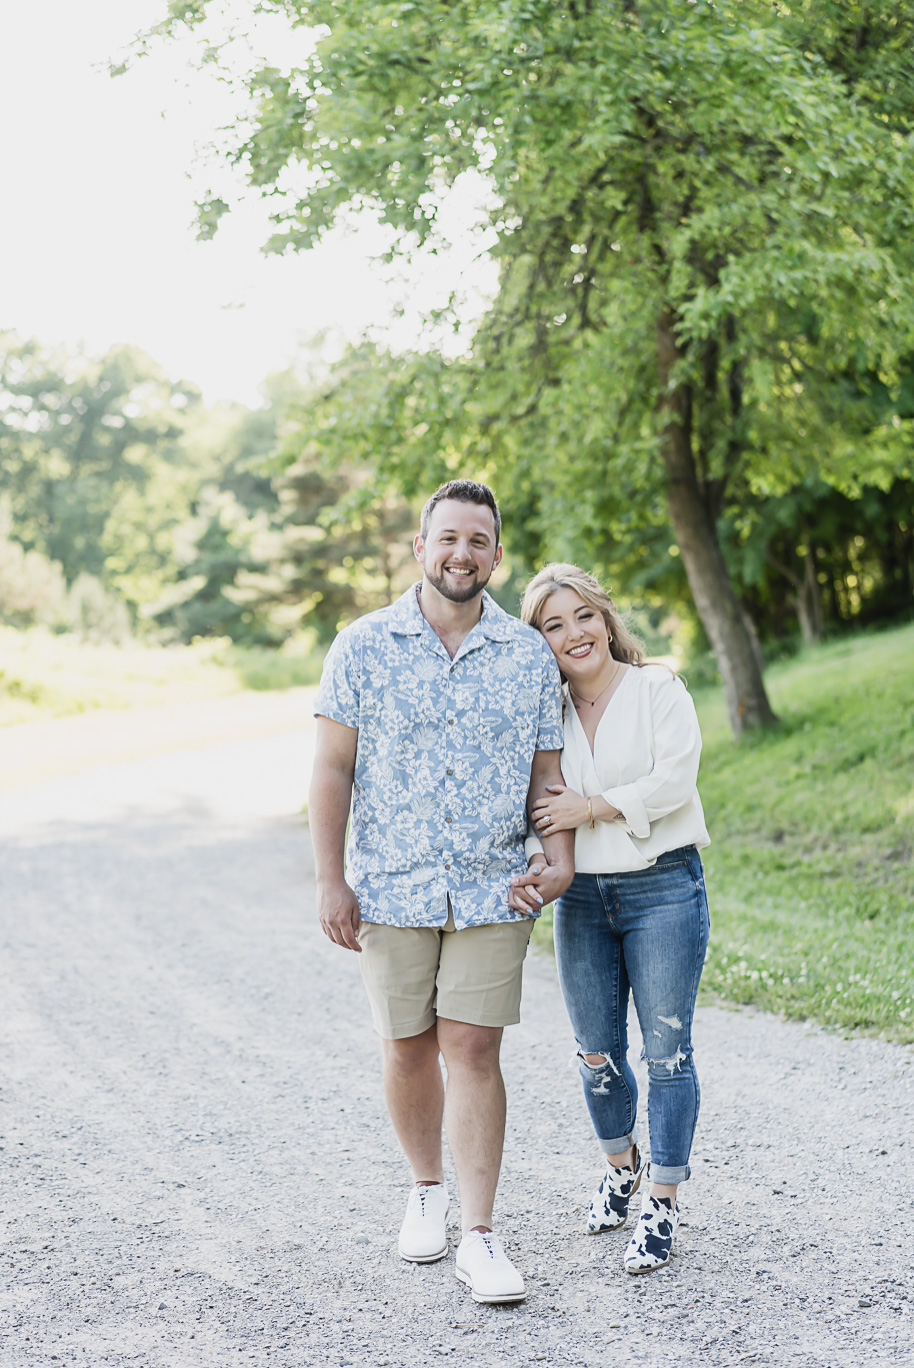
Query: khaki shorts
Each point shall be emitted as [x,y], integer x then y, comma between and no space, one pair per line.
[414,974]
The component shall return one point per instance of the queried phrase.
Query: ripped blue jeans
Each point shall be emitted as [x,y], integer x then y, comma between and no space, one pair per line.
[644,932]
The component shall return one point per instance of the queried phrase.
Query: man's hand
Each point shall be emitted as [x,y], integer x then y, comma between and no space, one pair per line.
[524,896]
[542,884]
[338,909]
[328,806]
[563,811]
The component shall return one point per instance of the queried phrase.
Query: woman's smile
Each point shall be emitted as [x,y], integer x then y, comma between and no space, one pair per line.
[579,638]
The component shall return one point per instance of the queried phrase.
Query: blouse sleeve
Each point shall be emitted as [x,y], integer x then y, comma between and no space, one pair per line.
[532,845]
[676,747]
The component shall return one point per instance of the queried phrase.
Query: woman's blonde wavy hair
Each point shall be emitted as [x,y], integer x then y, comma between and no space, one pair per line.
[623,644]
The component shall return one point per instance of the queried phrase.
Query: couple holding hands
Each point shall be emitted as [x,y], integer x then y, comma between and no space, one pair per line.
[493,766]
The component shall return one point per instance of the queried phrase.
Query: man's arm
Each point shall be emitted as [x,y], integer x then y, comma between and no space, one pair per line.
[329,801]
[556,870]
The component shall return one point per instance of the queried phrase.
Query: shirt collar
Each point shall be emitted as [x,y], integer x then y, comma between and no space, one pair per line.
[406,617]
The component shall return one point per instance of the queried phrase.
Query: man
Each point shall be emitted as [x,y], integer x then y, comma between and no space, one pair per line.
[439,720]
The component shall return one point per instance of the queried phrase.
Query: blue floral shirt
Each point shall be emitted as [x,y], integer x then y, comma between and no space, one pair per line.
[443,760]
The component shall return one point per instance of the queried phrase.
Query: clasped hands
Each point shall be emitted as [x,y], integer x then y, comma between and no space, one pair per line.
[544,882]
[541,884]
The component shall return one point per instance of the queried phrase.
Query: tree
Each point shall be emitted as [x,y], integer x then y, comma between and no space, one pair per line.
[92,462]
[32,588]
[703,218]
[420,419]
[823,560]
[279,541]
[230,515]
[338,549]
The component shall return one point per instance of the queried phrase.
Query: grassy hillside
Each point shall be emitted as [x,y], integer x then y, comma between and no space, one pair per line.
[811,870]
[811,867]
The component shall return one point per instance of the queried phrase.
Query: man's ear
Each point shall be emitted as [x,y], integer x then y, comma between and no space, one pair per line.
[419,548]
[499,552]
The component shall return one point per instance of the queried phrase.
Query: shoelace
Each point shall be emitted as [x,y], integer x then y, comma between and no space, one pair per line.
[422,1193]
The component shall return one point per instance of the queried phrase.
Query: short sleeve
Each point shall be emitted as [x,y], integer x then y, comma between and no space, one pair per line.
[550,734]
[338,696]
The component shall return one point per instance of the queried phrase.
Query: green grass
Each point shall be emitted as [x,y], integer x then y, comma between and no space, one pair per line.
[261,669]
[811,868]
[542,929]
[43,675]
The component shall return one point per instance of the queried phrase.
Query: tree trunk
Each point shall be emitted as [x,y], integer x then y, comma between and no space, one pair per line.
[809,598]
[753,637]
[696,534]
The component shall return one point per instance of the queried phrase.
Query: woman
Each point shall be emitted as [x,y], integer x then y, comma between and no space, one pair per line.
[636,916]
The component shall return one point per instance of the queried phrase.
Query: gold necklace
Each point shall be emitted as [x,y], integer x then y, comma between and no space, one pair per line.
[594,701]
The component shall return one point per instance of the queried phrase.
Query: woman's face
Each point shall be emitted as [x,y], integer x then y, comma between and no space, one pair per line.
[577,634]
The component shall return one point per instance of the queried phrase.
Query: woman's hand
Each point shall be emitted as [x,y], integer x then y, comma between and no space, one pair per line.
[523,895]
[542,884]
[563,811]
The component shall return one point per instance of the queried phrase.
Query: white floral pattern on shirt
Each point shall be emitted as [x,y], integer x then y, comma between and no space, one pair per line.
[443,759]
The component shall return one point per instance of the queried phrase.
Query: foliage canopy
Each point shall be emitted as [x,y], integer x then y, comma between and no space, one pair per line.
[703,214]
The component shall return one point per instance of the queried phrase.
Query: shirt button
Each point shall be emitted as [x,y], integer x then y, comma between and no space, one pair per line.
[447,819]
[450,721]
[447,866]
[450,771]
[453,668]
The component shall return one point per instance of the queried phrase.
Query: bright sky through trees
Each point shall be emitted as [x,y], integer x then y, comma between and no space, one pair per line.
[97,242]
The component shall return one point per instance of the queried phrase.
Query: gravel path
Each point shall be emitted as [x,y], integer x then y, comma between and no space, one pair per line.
[197,1168]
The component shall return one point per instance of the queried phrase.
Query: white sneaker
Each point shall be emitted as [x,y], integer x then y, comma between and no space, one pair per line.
[486,1269]
[423,1237]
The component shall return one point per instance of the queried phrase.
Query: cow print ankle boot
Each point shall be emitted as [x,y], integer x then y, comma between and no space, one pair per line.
[652,1242]
[609,1208]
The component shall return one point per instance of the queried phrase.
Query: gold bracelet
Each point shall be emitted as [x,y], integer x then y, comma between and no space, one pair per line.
[590,814]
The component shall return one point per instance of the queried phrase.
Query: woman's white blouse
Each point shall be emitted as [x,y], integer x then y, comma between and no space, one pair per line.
[645,763]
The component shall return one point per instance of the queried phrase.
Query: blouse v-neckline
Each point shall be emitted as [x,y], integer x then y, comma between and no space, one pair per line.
[609,702]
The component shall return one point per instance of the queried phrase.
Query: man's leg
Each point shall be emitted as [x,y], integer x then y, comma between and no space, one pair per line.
[474,1114]
[479,987]
[399,966]
[414,1090]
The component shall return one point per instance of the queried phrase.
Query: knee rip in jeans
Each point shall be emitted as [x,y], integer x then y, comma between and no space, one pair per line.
[600,1064]
[670,1062]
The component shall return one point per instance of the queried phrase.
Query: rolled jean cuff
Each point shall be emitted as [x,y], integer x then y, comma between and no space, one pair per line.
[620,1144]
[669,1175]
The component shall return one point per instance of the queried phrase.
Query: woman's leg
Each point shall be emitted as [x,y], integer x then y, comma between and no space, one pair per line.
[664,919]
[665,916]
[595,987]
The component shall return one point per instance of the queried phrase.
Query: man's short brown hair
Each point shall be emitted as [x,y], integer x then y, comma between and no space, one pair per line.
[464,491]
